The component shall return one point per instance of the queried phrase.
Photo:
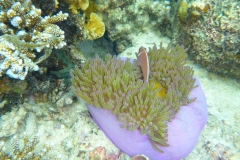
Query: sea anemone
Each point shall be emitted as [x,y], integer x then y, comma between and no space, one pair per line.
[161,118]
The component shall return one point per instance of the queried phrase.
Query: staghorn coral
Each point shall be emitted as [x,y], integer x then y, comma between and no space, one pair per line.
[47,7]
[25,32]
[117,86]
[95,27]
[27,151]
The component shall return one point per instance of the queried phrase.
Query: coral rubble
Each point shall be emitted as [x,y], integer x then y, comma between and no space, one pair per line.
[25,33]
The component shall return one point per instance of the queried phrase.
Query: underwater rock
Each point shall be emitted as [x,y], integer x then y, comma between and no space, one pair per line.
[212,31]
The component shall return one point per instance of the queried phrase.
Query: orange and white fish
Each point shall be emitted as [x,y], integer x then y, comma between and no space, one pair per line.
[143,61]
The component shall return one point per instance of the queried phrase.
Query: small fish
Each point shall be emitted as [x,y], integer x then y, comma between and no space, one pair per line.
[143,61]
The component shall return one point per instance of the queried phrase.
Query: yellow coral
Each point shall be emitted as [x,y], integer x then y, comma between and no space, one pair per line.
[182,10]
[77,4]
[93,7]
[56,3]
[95,27]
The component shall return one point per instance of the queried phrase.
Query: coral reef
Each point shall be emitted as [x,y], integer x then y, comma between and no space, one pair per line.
[116,17]
[192,11]
[117,86]
[197,9]
[95,27]
[212,31]
[47,7]
[62,122]
[87,22]
[77,4]
[25,32]
[213,40]
[77,22]
[9,128]
[76,54]
[182,10]
[92,8]
[27,151]
[143,15]
[11,85]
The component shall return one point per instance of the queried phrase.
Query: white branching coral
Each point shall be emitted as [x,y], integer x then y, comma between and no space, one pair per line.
[24,33]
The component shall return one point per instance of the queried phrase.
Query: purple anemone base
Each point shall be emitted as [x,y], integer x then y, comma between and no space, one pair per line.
[183,130]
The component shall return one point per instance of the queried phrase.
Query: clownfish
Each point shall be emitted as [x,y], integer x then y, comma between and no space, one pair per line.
[143,61]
